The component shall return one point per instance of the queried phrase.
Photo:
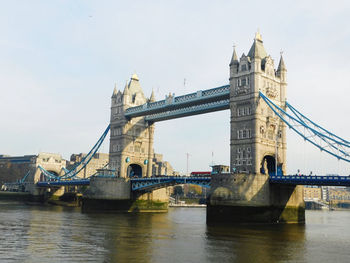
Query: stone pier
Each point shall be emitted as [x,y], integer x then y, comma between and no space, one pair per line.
[249,198]
[114,195]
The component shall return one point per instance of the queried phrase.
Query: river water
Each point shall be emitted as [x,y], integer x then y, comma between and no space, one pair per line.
[61,234]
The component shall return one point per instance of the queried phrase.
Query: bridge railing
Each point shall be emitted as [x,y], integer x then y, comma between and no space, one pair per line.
[311,180]
[152,183]
[190,110]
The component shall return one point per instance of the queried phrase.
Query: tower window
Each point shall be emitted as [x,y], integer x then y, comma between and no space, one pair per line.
[243,111]
[244,134]
[244,67]
[116,148]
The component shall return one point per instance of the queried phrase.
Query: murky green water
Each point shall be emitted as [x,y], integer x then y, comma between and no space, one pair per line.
[57,234]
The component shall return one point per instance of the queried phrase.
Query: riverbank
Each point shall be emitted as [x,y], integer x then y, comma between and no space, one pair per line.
[188,205]
[17,196]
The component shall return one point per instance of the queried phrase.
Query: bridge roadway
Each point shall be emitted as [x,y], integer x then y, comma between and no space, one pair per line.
[152,183]
[311,180]
[138,184]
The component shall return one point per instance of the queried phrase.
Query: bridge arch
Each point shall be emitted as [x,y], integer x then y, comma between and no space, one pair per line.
[43,177]
[268,164]
[134,170]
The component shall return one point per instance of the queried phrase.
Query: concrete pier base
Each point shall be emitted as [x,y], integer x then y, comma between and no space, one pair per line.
[114,195]
[249,198]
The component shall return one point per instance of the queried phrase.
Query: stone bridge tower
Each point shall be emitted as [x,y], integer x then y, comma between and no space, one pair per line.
[131,141]
[257,134]
[258,138]
[130,154]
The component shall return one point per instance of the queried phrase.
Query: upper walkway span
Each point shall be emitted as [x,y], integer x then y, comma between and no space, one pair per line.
[202,101]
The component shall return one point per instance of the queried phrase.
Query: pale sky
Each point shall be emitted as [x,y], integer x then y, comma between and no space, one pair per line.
[60,60]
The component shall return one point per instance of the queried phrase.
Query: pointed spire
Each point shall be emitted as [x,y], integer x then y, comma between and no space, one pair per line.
[126,89]
[258,36]
[115,91]
[152,98]
[281,65]
[257,49]
[134,77]
[234,58]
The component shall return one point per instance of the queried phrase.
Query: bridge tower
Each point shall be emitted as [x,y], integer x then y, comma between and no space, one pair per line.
[258,147]
[131,141]
[130,154]
[258,136]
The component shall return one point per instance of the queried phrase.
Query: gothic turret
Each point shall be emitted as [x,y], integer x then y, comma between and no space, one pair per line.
[234,59]
[126,94]
[281,70]
[234,64]
[152,98]
[115,91]
[126,89]
[281,65]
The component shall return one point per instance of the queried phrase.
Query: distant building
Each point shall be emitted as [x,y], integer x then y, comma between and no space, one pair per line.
[325,193]
[220,168]
[13,168]
[339,193]
[312,193]
[161,167]
[98,161]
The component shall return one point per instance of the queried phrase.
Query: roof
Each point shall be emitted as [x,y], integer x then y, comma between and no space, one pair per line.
[281,65]
[257,49]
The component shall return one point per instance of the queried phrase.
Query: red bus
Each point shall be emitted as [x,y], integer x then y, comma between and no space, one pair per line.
[199,174]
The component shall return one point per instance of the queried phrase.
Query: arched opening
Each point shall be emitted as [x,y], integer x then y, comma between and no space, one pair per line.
[134,170]
[44,178]
[268,165]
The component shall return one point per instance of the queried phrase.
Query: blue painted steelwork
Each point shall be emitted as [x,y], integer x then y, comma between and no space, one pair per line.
[82,164]
[311,132]
[152,183]
[311,180]
[64,183]
[138,184]
[190,111]
[24,178]
[202,101]
[148,184]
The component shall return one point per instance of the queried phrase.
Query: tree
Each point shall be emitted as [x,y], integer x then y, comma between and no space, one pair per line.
[178,190]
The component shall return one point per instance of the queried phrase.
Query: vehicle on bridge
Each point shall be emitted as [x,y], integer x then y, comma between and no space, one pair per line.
[199,174]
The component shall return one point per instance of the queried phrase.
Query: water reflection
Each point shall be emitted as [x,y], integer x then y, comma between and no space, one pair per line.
[257,243]
[57,234]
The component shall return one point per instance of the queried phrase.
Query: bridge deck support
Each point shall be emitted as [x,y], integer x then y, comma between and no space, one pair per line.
[250,198]
[114,195]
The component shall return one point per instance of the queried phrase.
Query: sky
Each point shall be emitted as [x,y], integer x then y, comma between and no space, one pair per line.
[60,61]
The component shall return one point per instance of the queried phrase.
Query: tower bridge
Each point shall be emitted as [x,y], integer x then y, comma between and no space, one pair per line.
[257,188]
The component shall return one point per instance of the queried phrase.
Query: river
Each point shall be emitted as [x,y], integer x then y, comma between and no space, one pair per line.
[32,233]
